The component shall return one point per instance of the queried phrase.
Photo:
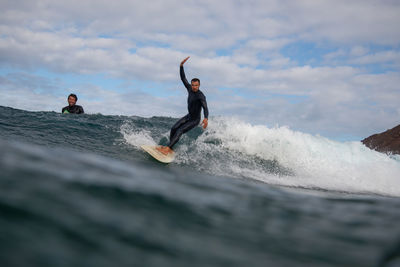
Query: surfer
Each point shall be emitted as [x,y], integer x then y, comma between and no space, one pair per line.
[72,107]
[196,101]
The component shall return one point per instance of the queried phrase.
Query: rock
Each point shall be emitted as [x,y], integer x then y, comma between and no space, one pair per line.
[387,142]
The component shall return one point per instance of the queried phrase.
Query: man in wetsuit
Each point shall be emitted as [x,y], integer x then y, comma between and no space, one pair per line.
[72,108]
[196,101]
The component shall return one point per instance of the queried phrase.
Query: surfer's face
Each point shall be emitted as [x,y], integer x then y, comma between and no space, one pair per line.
[195,86]
[71,100]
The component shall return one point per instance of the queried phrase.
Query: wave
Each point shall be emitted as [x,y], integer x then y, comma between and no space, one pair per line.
[228,147]
[280,156]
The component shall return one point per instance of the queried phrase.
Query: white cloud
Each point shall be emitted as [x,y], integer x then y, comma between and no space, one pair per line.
[379,57]
[358,51]
[342,21]
[233,44]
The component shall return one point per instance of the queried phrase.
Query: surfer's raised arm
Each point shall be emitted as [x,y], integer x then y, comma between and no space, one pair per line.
[183,61]
[183,76]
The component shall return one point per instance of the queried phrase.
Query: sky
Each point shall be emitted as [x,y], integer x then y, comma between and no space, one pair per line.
[329,68]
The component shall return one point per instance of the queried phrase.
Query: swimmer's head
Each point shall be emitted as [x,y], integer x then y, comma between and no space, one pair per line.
[72,98]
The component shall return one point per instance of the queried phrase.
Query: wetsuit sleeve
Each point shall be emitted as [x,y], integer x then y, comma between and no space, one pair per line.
[81,110]
[184,80]
[204,105]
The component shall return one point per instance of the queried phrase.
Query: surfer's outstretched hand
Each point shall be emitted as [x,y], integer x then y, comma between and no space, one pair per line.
[205,123]
[183,61]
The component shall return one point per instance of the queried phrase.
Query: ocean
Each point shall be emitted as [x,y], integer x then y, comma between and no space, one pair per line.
[77,190]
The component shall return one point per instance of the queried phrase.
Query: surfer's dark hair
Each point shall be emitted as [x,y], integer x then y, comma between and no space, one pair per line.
[195,80]
[74,96]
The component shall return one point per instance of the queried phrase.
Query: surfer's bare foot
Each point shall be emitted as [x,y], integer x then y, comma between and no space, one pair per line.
[164,149]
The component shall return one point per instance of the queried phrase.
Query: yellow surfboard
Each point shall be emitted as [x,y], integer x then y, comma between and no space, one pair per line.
[158,155]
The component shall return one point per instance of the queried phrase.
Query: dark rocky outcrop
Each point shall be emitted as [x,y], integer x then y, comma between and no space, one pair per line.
[387,142]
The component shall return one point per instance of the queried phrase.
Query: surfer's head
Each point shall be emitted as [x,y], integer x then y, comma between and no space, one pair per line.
[72,98]
[195,84]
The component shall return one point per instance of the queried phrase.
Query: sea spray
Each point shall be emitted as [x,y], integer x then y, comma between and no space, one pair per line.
[279,155]
[136,137]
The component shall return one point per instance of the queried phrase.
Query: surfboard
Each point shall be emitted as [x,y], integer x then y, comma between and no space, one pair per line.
[158,155]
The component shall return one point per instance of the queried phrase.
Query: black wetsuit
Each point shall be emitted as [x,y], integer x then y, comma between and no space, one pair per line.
[76,109]
[196,100]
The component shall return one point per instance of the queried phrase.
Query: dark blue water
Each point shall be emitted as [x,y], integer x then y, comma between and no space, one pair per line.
[77,191]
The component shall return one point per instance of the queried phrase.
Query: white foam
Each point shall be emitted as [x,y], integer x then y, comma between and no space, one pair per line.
[231,147]
[136,137]
[316,162]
